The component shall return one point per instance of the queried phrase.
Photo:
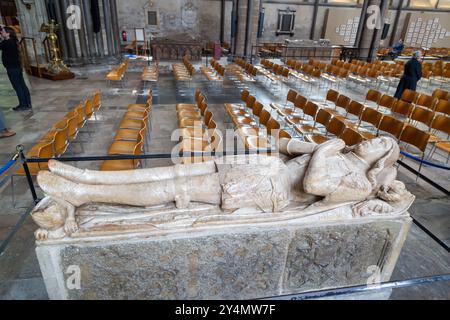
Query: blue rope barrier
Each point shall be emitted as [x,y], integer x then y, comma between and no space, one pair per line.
[428,163]
[8,165]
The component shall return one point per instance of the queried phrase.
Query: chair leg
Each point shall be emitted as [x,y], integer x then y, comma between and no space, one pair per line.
[420,166]
[13,193]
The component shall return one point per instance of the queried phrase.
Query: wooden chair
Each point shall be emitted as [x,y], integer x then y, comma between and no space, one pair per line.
[334,127]
[440,124]
[442,106]
[417,138]
[390,125]
[123,164]
[402,110]
[323,117]
[351,137]
[409,96]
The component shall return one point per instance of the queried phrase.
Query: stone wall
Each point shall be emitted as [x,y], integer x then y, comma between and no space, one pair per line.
[176,19]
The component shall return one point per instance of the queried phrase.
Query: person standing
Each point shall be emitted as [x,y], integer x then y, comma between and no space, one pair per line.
[411,74]
[4,132]
[11,61]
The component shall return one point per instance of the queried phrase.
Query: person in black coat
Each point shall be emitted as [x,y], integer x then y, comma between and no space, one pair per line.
[11,61]
[411,74]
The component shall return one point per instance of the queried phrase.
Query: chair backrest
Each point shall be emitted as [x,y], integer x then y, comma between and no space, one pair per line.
[441,123]
[442,106]
[311,109]
[250,102]
[332,95]
[409,96]
[351,137]
[441,94]
[212,125]
[292,94]
[300,102]
[97,100]
[422,115]
[72,123]
[391,125]
[137,151]
[342,101]
[403,107]
[264,117]
[335,126]
[46,151]
[323,117]
[61,140]
[284,134]
[386,101]
[271,125]
[88,108]
[208,117]
[203,106]
[81,117]
[355,108]
[426,101]
[414,136]
[373,95]
[257,108]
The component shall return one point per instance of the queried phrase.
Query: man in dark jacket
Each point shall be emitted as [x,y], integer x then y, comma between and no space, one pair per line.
[411,74]
[11,61]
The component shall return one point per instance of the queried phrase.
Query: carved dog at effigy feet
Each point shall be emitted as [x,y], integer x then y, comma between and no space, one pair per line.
[322,176]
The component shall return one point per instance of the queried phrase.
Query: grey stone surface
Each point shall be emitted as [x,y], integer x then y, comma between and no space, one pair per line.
[237,263]
[325,257]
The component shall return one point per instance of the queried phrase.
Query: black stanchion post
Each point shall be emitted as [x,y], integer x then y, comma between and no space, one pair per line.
[19,149]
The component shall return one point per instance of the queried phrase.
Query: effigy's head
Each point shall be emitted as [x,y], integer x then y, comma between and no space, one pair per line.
[384,149]
[381,154]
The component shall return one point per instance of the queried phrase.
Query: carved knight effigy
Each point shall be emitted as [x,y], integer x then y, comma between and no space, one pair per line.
[315,179]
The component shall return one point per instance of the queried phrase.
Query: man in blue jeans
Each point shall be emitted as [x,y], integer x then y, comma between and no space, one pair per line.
[11,61]
[4,132]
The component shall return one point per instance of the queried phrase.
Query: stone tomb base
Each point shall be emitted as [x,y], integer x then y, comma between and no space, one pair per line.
[224,261]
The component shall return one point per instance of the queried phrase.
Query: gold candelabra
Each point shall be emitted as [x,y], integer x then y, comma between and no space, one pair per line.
[56,65]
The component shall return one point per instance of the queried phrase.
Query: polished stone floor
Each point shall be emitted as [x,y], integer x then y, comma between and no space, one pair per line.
[20,277]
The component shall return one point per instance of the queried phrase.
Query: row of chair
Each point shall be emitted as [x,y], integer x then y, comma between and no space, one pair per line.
[198,130]
[215,72]
[55,142]
[351,130]
[130,137]
[278,70]
[254,124]
[183,71]
[117,73]
[151,73]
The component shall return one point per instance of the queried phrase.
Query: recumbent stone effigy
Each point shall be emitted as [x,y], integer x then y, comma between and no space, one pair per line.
[238,227]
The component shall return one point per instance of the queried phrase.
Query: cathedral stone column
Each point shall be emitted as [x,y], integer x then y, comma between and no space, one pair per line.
[71,45]
[82,34]
[370,37]
[61,34]
[108,26]
[247,15]
[87,17]
[115,27]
